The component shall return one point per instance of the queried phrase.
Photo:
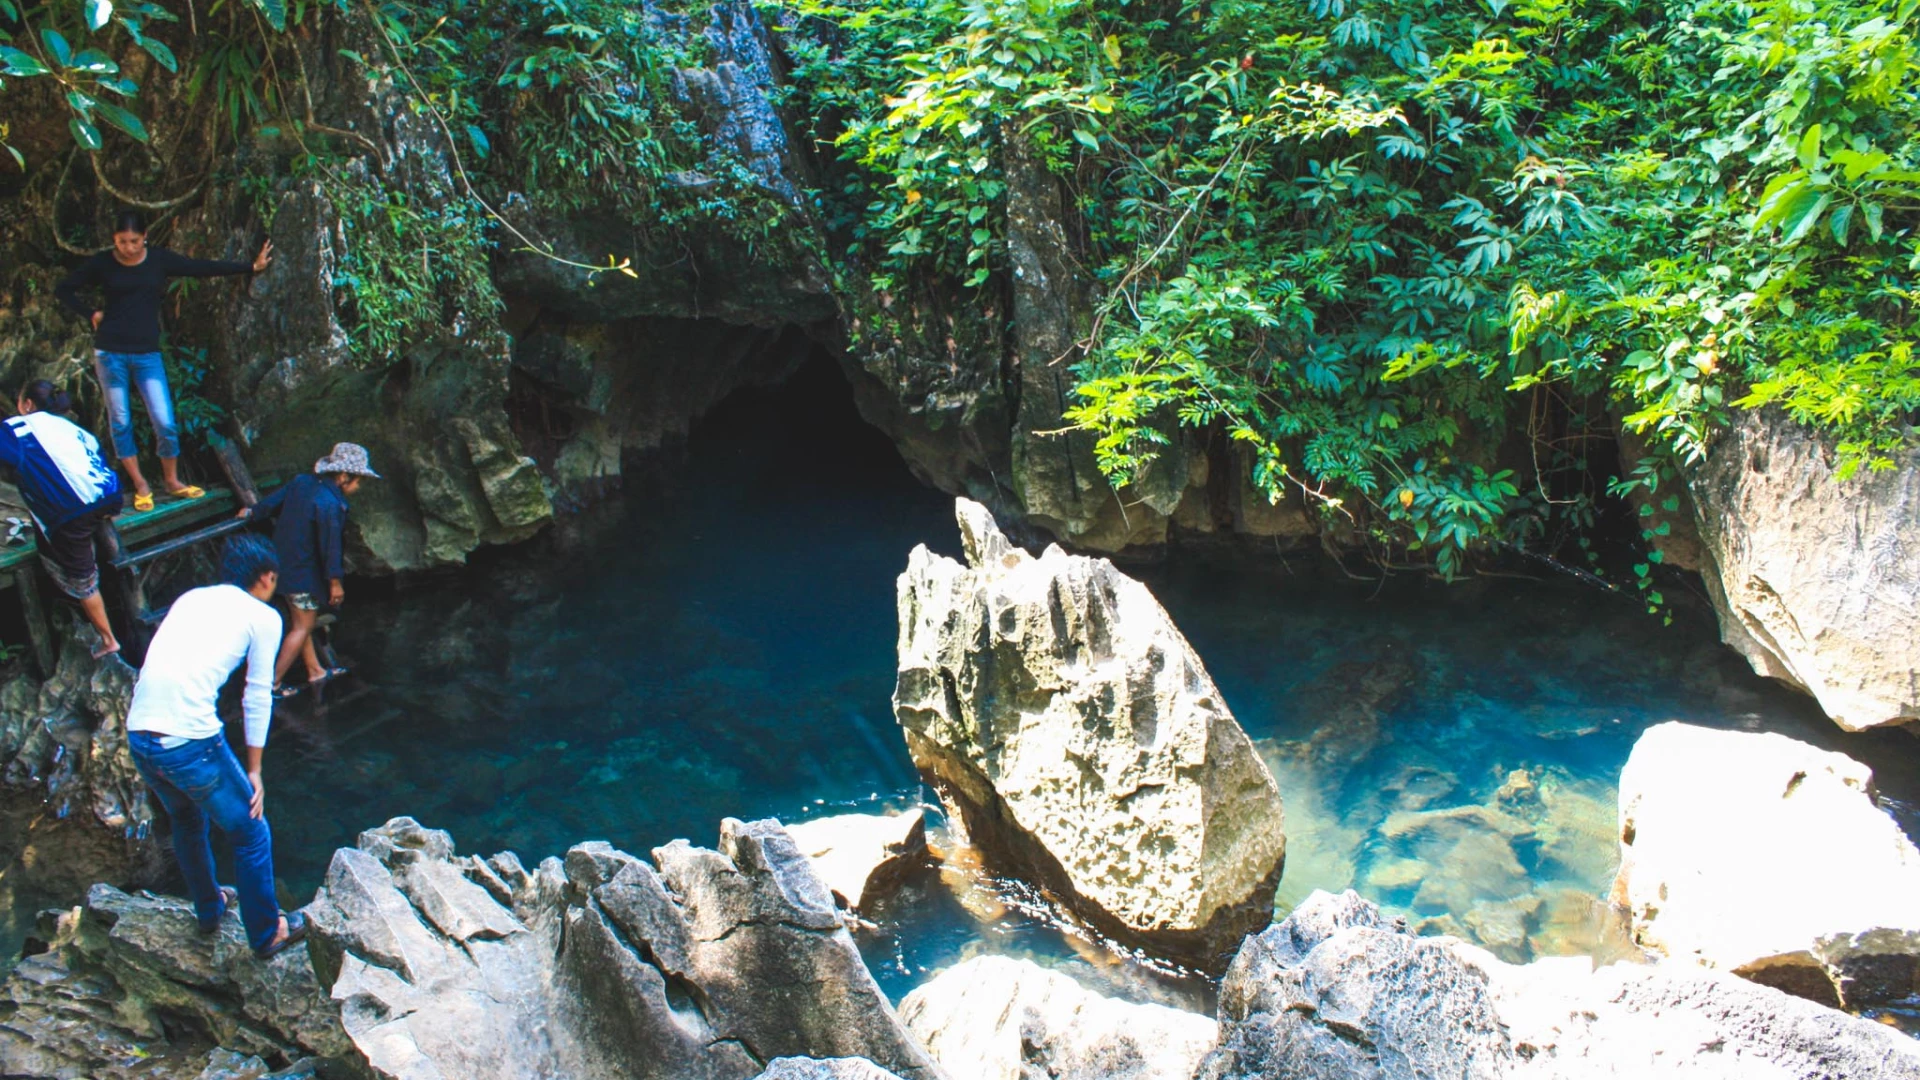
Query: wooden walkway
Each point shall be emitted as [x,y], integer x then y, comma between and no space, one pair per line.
[136,539]
[168,516]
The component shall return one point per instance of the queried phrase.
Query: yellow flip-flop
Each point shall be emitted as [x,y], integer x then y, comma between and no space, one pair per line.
[142,501]
[187,492]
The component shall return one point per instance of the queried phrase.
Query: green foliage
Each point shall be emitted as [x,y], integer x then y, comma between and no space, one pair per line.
[1762,169]
[72,45]
[1341,231]
[411,271]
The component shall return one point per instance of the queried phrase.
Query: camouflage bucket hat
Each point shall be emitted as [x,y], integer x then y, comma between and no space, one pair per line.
[346,458]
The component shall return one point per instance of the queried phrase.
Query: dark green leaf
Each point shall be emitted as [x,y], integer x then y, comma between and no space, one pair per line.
[98,12]
[84,133]
[161,54]
[81,103]
[479,139]
[122,119]
[94,62]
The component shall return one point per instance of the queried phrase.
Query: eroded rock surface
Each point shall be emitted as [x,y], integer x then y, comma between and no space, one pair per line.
[1079,742]
[128,987]
[73,810]
[700,964]
[1816,580]
[1337,992]
[1768,858]
[997,1018]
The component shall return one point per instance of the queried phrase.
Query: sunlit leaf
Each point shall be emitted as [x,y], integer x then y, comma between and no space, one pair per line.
[84,133]
[20,63]
[57,45]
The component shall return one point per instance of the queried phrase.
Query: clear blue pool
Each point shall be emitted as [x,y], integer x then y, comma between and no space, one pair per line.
[719,641]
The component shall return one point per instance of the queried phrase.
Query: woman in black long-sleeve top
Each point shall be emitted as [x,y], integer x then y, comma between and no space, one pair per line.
[132,281]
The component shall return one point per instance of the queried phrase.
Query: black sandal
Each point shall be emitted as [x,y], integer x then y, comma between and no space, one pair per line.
[230,898]
[296,933]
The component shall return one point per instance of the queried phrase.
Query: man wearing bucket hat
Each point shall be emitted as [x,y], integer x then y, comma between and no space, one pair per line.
[312,517]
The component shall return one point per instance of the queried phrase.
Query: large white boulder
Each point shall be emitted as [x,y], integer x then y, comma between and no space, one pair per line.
[1079,743]
[1768,858]
[1817,580]
[997,1018]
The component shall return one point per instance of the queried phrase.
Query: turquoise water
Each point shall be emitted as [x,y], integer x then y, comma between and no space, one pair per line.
[719,641]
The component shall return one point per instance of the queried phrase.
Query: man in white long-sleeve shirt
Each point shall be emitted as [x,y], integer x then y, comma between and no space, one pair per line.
[180,745]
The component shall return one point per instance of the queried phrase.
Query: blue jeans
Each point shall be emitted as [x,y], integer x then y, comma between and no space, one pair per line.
[119,374]
[200,781]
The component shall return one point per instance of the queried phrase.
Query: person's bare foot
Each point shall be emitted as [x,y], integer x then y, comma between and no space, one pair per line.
[106,648]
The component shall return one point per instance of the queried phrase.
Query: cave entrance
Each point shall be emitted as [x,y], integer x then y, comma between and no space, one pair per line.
[599,404]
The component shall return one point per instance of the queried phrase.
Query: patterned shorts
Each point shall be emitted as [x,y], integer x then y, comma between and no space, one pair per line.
[304,601]
[69,557]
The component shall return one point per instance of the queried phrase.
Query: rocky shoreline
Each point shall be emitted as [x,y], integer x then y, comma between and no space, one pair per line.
[739,961]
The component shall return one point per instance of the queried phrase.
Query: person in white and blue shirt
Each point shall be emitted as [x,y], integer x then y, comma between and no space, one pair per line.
[70,492]
[179,743]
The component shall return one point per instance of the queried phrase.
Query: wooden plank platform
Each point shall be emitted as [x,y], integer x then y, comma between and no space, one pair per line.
[136,527]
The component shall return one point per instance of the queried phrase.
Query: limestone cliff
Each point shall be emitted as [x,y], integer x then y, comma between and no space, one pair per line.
[1816,580]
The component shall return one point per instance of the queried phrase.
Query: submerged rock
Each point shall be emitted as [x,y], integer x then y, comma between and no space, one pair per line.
[1339,992]
[860,857]
[996,1018]
[128,987]
[1816,580]
[1766,857]
[701,964]
[1078,741]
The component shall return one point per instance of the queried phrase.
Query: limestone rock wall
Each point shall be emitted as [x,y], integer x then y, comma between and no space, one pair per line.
[1816,581]
[1080,744]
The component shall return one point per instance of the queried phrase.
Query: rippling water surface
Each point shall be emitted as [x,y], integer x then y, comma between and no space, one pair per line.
[719,642]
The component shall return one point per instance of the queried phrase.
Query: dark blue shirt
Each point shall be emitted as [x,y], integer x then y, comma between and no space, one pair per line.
[312,517]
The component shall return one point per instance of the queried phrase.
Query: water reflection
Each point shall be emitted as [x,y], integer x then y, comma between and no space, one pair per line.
[721,643]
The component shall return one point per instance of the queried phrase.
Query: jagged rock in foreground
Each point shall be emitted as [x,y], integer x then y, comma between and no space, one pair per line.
[1078,741]
[1816,580]
[860,857]
[1768,858]
[129,988]
[1338,992]
[703,964]
[73,809]
[997,1018]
